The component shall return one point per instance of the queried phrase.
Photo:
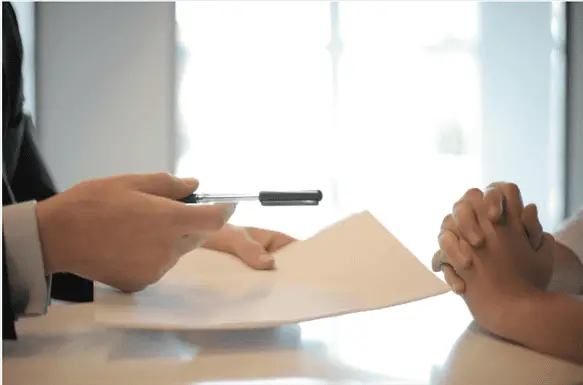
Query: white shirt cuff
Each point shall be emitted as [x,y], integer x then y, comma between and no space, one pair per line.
[29,285]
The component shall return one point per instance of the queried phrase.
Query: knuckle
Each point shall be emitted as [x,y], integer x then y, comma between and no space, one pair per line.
[446,240]
[474,193]
[448,222]
[495,185]
[492,194]
[459,207]
[513,188]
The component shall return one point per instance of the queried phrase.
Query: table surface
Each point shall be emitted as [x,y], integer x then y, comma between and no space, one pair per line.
[431,341]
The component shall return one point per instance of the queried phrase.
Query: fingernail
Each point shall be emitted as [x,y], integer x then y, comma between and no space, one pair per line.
[453,288]
[266,258]
[189,181]
[229,210]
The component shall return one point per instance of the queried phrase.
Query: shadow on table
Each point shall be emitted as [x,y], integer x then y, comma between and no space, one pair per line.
[131,342]
[283,337]
[30,346]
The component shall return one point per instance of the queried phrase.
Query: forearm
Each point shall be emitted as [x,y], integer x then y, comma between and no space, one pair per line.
[567,271]
[549,323]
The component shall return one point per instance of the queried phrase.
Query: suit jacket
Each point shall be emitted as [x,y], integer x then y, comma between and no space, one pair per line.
[25,176]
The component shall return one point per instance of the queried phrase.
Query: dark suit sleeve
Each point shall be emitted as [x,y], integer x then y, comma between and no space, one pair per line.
[8,330]
[31,181]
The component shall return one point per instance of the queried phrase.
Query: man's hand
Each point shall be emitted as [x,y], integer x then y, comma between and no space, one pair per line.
[500,201]
[252,245]
[125,231]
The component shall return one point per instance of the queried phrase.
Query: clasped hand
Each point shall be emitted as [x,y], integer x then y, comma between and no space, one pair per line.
[493,250]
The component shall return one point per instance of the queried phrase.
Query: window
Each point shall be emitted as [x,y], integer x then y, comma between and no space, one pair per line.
[390,106]
[366,101]
[26,23]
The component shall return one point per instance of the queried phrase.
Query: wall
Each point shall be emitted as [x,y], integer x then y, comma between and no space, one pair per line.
[105,95]
[575,112]
[105,88]
[520,137]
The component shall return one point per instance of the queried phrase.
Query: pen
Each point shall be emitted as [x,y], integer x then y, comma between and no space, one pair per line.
[266,198]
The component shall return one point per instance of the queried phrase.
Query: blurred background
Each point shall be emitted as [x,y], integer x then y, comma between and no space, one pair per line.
[395,107]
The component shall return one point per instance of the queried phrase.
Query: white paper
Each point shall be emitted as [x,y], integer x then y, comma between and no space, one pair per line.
[352,266]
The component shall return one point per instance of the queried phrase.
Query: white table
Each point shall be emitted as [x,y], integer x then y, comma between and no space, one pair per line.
[426,342]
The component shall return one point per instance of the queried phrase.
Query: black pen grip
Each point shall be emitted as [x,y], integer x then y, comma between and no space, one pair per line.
[294,198]
[189,199]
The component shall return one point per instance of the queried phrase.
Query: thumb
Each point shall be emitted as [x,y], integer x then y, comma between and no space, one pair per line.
[251,252]
[544,261]
[532,225]
[547,245]
[163,185]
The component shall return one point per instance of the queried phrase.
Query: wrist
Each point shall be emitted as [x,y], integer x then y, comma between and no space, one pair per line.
[516,313]
[567,271]
[45,219]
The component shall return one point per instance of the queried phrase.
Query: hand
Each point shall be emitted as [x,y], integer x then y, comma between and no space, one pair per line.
[125,231]
[502,271]
[463,224]
[252,245]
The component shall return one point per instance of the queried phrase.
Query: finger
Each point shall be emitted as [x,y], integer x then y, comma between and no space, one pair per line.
[467,223]
[543,265]
[437,261]
[475,197]
[453,280]
[494,203]
[162,184]
[512,201]
[251,252]
[452,253]
[272,241]
[449,223]
[201,218]
[547,244]
[532,225]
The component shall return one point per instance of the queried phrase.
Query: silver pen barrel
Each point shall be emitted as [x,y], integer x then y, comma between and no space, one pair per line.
[226,198]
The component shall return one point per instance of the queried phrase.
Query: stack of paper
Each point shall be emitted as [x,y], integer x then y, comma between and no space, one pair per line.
[352,266]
